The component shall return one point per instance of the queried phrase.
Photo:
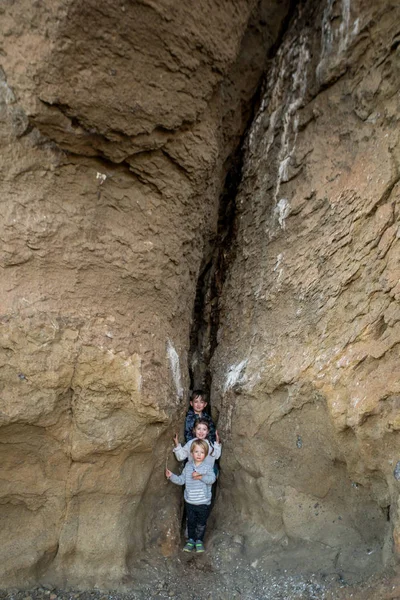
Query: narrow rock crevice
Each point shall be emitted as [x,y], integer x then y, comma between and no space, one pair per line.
[220,251]
[218,256]
[286,23]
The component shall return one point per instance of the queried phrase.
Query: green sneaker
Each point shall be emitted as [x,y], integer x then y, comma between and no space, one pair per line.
[189,546]
[199,546]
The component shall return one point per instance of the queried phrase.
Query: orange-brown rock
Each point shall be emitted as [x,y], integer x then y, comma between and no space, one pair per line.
[306,370]
[123,272]
[116,121]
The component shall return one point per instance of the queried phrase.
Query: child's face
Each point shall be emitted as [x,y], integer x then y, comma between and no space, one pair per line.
[201,431]
[198,454]
[198,403]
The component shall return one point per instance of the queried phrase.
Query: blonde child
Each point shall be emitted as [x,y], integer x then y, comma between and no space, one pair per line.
[197,477]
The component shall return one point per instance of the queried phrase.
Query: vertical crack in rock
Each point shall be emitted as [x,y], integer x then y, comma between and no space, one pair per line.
[306,217]
[284,92]
[286,23]
[126,175]
[220,250]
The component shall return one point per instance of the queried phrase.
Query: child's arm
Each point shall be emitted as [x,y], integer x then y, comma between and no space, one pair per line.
[217,447]
[177,479]
[209,477]
[204,473]
[181,453]
[206,477]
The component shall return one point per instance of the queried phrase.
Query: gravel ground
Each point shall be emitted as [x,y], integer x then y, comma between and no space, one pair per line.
[226,572]
[195,578]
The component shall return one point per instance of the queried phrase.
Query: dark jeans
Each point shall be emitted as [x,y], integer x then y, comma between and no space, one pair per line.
[197,516]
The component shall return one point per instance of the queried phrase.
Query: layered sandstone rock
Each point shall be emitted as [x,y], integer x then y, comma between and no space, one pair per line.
[306,370]
[117,120]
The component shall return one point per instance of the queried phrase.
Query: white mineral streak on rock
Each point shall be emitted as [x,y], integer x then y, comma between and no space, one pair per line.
[281,211]
[278,263]
[283,170]
[326,33]
[336,42]
[102,177]
[174,364]
[6,94]
[344,26]
[235,375]
[290,122]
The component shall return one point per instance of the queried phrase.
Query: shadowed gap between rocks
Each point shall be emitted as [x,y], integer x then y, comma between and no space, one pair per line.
[219,252]
[219,255]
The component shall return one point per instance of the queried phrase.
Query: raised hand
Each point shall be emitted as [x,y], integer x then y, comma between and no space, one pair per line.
[176,440]
[217,438]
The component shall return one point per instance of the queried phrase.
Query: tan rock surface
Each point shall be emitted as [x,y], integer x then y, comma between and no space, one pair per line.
[306,370]
[118,125]
[116,120]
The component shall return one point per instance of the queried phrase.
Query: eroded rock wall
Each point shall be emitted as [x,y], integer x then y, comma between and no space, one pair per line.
[306,368]
[117,126]
[117,121]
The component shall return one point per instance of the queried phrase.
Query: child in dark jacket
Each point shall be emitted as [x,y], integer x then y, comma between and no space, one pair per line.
[198,404]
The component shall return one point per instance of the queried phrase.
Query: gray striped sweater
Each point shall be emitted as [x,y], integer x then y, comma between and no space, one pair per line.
[197,491]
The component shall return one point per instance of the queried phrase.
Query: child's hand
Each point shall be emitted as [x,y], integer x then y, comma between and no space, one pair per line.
[176,440]
[196,475]
[217,438]
[168,473]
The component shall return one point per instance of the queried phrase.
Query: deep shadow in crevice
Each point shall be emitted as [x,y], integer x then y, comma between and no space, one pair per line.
[292,10]
[220,251]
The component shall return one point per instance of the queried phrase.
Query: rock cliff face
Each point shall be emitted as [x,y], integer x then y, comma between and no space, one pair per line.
[131,269]
[117,123]
[306,368]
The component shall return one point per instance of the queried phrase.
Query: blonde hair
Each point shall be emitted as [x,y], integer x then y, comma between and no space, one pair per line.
[202,443]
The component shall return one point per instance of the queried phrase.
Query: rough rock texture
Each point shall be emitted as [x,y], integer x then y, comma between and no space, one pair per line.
[306,370]
[117,121]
